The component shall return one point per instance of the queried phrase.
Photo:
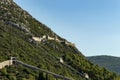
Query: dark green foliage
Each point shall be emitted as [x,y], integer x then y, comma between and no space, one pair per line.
[40,77]
[17,72]
[15,42]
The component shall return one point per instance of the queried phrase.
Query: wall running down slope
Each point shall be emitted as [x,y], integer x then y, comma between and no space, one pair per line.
[16,62]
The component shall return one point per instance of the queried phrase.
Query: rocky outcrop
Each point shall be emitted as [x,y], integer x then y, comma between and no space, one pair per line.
[5,1]
[18,26]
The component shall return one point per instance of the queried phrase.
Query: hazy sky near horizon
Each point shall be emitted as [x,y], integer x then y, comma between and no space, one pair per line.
[93,25]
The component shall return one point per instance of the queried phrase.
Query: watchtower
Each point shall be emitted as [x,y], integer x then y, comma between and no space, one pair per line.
[12,60]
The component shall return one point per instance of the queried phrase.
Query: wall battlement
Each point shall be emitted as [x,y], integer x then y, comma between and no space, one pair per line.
[47,37]
[6,63]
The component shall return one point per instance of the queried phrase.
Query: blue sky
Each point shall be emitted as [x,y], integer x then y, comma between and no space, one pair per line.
[93,25]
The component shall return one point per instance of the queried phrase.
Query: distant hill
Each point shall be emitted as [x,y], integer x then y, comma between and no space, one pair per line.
[110,62]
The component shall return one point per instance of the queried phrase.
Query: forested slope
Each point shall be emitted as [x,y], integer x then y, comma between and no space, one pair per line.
[32,42]
[110,62]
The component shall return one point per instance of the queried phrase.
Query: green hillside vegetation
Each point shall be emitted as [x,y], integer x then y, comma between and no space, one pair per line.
[109,62]
[15,41]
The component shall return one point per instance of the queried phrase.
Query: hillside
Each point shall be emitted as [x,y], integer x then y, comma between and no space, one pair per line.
[33,43]
[110,62]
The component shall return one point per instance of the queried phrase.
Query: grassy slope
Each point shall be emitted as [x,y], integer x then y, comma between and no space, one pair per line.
[14,42]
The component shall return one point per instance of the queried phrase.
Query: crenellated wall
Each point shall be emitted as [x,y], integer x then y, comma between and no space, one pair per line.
[47,37]
[6,63]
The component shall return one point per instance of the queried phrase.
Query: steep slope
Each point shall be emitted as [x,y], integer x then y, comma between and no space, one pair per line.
[110,62]
[34,43]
